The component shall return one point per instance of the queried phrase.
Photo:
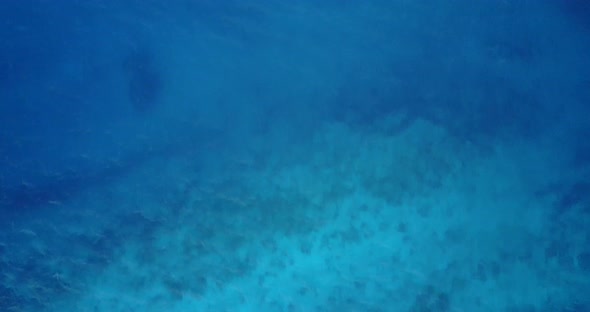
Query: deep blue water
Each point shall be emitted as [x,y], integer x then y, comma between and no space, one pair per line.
[128,127]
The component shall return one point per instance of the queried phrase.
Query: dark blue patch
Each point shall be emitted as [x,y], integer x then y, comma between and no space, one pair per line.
[579,10]
[144,79]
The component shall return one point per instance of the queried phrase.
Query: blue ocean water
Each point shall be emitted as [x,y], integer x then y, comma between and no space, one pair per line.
[186,155]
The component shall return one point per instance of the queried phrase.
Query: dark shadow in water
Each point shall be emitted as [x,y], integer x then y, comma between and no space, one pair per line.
[144,79]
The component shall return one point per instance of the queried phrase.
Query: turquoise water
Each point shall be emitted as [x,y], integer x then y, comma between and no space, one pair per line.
[419,156]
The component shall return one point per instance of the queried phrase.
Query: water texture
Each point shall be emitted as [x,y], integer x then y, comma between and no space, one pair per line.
[296,156]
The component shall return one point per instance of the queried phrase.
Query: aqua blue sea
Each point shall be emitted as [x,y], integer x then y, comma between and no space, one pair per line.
[294,156]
